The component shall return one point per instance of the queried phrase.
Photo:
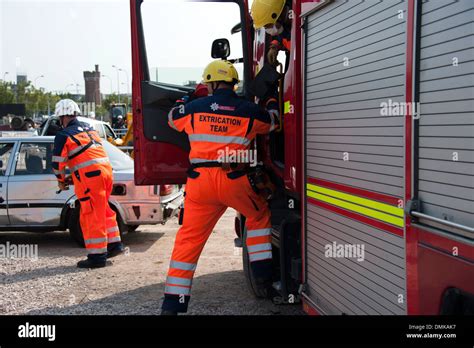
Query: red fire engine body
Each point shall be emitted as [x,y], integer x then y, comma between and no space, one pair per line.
[375,162]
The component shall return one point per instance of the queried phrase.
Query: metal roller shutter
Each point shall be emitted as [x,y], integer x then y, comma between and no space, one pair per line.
[446,123]
[343,119]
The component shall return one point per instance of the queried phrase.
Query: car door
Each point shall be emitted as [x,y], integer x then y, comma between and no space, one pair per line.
[100,130]
[32,186]
[7,150]
[109,133]
[159,76]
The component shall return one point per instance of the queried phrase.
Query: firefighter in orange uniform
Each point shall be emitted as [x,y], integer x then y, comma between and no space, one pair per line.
[216,124]
[79,147]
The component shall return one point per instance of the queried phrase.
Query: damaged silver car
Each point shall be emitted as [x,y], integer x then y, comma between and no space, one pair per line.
[30,201]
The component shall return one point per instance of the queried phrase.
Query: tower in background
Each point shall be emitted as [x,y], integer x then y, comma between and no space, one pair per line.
[92,83]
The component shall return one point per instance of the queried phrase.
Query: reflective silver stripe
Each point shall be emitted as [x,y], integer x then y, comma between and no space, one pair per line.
[114,239]
[183,265]
[223,139]
[273,116]
[113,229]
[260,256]
[59,172]
[177,290]
[59,159]
[259,233]
[178,281]
[88,163]
[259,247]
[202,160]
[170,119]
[79,148]
[96,250]
[95,241]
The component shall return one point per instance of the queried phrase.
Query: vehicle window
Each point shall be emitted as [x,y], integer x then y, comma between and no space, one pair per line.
[118,159]
[109,132]
[5,153]
[180,58]
[34,159]
[118,111]
[53,127]
[100,129]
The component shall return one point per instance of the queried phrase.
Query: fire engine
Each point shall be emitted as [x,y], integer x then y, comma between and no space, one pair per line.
[374,212]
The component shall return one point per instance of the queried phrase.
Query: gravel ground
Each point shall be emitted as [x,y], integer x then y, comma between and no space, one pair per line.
[134,283]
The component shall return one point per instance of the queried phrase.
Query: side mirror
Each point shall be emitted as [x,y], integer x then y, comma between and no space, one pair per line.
[220,49]
[236,29]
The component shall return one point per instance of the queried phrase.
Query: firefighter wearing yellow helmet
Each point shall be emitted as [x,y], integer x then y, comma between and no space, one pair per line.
[273,15]
[219,71]
[215,124]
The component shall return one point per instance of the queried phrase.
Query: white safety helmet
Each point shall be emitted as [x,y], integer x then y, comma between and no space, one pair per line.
[67,107]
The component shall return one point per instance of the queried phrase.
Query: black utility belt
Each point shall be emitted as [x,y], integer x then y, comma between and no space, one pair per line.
[235,170]
[257,176]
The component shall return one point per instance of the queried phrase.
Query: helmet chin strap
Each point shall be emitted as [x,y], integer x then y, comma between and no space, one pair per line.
[216,86]
[61,121]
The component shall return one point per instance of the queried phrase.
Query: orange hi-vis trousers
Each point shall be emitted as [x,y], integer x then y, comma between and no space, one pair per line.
[207,198]
[80,148]
[97,219]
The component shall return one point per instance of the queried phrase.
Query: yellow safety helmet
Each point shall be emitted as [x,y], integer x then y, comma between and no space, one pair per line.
[265,12]
[220,70]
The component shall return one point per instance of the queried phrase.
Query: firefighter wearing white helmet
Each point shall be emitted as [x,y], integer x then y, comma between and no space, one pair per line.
[79,147]
[67,107]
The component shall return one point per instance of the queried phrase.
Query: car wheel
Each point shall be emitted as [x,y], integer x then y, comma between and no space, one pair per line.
[74,225]
[249,277]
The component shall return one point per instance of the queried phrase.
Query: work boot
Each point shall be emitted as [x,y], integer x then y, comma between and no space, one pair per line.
[264,286]
[168,312]
[115,249]
[93,261]
[88,263]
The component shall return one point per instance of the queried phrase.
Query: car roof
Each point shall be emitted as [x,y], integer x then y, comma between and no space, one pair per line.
[84,119]
[35,138]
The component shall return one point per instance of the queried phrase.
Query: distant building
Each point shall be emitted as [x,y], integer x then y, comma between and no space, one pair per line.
[21,79]
[92,82]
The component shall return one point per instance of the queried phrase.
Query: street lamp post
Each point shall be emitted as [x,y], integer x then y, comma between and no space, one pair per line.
[67,86]
[118,81]
[5,74]
[110,80]
[36,106]
[128,81]
[39,77]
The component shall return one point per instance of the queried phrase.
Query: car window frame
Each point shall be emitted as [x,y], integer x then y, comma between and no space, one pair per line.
[17,155]
[11,158]
[114,136]
[96,127]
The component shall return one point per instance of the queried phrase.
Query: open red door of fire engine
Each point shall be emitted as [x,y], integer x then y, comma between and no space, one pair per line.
[171,45]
